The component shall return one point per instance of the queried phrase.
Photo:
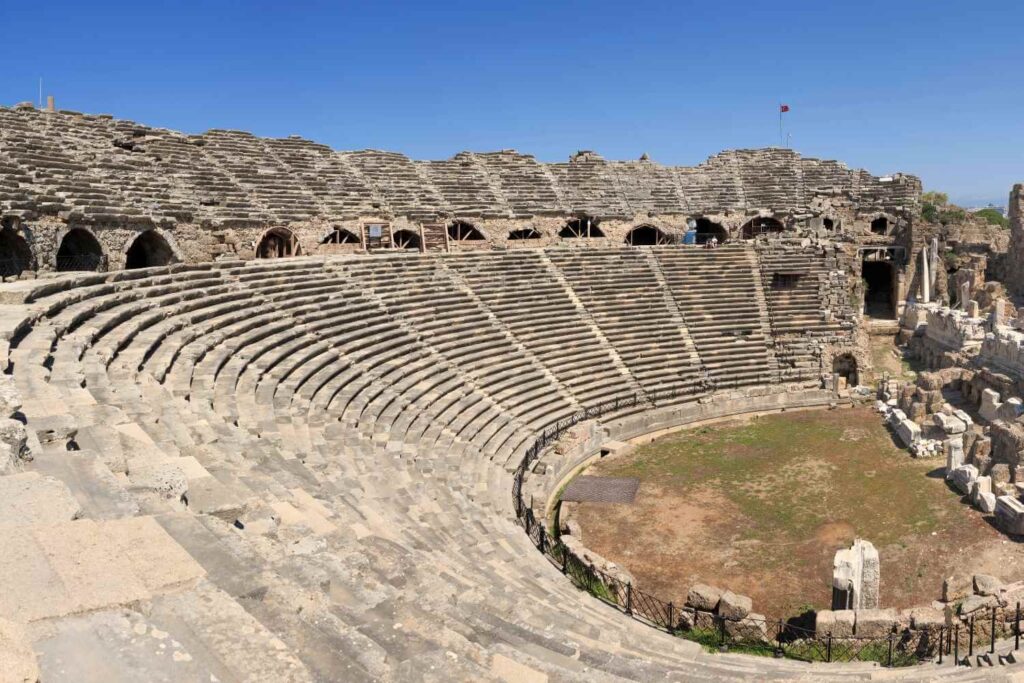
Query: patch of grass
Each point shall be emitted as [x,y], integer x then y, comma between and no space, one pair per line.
[765,502]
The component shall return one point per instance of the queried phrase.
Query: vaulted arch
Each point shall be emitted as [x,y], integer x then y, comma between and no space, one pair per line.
[278,243]
[15,254]
[406,239]
[760,225]
[338,235]
[149,249]
[582,227]
[461,231]
[646,235]
[707,230]
[79,250]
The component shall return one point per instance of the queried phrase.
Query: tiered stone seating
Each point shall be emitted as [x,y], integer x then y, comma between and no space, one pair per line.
[794,277]
[720,295]
[465,186]
[300,470]
[588,186]
[97,169]
[523,293]
[621,292]
[527,185]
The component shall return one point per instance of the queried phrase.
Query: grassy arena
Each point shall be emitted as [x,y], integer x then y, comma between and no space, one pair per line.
[760,506]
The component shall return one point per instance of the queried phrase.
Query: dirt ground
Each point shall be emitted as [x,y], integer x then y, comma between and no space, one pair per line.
[759,506]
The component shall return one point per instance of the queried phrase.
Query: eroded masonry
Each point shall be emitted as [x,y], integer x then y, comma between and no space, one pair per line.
[289,417]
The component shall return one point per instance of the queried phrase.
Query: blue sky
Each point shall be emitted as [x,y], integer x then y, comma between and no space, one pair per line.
[930,88]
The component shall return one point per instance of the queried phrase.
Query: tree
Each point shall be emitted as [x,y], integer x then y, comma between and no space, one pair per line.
[993,217]
[931,205]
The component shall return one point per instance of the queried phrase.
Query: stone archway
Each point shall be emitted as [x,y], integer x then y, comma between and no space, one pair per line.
[646,235]
[760,225]
[845,366]
[79,250]
[148,250]
[707,230]
[406,239]
[15,254]
[278,243]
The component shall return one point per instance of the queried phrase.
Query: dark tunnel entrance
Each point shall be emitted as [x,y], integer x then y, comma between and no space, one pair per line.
[879,283]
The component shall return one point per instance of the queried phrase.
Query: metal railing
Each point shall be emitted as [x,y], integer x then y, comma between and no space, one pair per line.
[795,638]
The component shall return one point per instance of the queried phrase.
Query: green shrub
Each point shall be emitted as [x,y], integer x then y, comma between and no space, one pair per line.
[993,217]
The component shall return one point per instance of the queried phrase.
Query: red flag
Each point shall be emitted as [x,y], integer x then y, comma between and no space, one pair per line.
[783,108]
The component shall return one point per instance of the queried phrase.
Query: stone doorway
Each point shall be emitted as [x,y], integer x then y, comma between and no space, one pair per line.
[879,289]
[79,250]
[149,250]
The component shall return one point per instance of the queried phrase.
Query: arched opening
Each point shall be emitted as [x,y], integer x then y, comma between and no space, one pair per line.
[829,224]
[760,225]
[880,225]
[646,236]
[278,243]
[879,299]
[148,250]
[524,234]
[708,229]
[461,231]
[405,239]
[79,250]
[845,366]
[582,227]
[340,236]
[15,254]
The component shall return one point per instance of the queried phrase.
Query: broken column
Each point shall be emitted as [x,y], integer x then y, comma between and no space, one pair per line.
[998,313]
[965,294]
[934,253]
[926,279]
[855,577]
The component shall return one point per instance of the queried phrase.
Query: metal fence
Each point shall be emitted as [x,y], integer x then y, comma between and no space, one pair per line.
[796,637]
[14,266]
[74,262]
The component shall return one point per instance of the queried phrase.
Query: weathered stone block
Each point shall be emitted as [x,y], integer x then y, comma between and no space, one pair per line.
[13,445]
[927,618]
[908,432]
[990,403]
[949,423]
[875,623]
[839,623]
[977,602]
[954,455]
[986,584]
[963,478]
[982,484]
[986,502]
[1010,515]
[10,397]
[704,597]
[734,606]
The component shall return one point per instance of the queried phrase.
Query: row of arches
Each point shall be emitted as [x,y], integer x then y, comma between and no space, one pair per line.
[79,250]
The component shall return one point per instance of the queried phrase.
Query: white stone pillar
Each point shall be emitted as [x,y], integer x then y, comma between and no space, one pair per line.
[926,278]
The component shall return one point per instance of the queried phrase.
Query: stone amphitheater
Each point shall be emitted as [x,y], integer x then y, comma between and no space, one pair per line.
[269,427]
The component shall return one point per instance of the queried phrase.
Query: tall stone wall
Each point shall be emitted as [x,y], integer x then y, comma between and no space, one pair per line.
[218,192]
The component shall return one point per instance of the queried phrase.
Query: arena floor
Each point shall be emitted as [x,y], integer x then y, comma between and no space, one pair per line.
[759,506]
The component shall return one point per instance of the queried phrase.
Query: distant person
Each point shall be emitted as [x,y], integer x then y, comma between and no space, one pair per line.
[714,243]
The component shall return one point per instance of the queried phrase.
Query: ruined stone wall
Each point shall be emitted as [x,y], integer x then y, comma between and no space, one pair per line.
[215,194]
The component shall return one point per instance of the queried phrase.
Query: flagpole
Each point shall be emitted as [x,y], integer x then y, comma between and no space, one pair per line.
[780,125]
